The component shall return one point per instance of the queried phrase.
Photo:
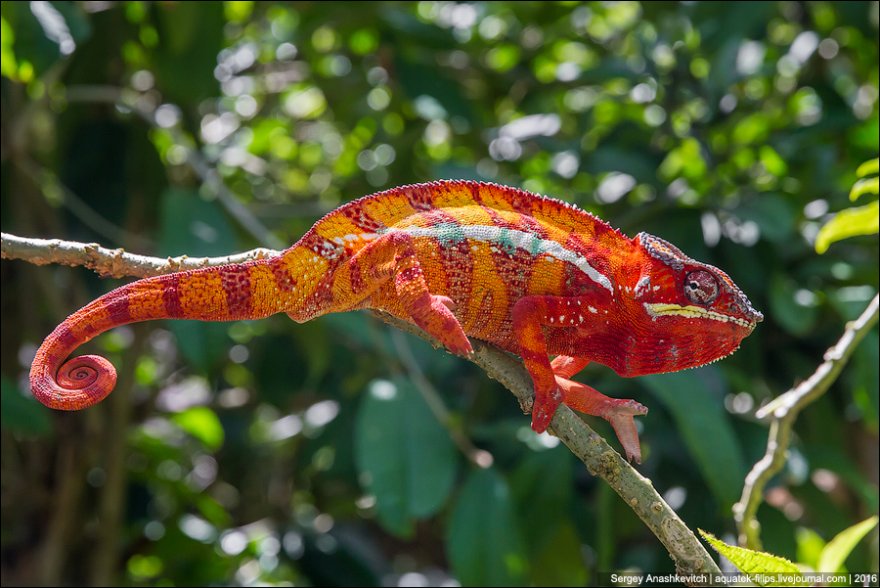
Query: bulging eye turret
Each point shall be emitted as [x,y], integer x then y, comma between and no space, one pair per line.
[701,287]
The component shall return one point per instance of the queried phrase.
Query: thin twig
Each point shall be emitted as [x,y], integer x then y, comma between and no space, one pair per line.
[47,181]
[479,457]
[194,158]
[690,557]
[783,412]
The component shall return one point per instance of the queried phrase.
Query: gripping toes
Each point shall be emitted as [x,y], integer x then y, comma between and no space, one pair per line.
[619,412]
[439,322]
[544,408]
[621,418]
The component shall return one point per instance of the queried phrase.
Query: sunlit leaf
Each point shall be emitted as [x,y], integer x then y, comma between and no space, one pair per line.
[872,166]
[852,222]
[764,569]
[238,10]
[809,547]
[864,186]
[202,423]
[8,64]
[145,567]
[772,162]
[839,548]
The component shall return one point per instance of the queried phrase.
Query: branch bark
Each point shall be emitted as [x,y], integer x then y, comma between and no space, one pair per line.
[112,263]
[782,413]
[689,555]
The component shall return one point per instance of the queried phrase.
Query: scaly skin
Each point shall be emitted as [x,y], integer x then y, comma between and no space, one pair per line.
[532,275]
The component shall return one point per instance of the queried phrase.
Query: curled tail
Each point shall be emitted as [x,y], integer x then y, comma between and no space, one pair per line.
[232,292]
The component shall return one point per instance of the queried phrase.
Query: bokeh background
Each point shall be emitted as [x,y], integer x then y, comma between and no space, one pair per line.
[277,454]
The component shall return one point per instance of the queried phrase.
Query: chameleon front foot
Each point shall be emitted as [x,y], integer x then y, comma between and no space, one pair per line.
[617,411]
[620,415]
[544,408]
[433,314]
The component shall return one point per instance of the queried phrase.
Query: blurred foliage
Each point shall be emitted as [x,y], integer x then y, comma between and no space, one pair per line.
[859,220]
[275,453]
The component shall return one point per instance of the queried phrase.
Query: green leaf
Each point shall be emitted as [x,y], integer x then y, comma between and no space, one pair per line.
[694,398]
[794,308]
[202,423]
[201,343]
[864,186]
[839,548]
[560,562]
[193,226]
[542,488]
[764,569]
[22,413]
[190,37]
[404,455]
[872,166]
[484,543]
[859,220]
[772,161]
[774,214]
[809,546]
[425,79]
[214,512]
[8,63]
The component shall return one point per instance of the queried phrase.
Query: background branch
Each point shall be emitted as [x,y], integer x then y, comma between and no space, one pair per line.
[601,459]
[783,412]
[146,109]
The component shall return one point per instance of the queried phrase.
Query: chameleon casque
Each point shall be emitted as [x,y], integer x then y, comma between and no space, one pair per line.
[532,275]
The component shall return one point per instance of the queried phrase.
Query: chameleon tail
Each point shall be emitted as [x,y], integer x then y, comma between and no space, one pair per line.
[222,293]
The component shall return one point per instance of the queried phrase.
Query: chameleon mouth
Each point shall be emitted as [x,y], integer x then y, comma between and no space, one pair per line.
[658,309]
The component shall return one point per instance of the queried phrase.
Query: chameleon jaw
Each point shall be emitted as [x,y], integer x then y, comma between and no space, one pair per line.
[660,309]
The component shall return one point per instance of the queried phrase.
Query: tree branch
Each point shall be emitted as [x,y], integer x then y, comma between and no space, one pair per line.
[113,263]
[782,413]
[638,493]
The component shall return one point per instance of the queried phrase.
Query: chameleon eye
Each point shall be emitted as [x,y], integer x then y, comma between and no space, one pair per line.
[701,287]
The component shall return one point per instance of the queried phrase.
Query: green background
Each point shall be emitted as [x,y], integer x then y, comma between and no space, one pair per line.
[276,453]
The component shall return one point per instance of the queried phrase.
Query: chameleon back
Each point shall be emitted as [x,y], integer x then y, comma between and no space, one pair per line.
[482,245]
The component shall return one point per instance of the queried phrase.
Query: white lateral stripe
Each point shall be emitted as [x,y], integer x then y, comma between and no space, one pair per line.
[508,239]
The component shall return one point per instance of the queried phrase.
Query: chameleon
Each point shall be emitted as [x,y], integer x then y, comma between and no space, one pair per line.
[535,276]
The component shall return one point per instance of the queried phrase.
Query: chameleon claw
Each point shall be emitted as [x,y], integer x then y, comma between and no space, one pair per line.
[439,321]
[544,408]
[445,301]
[620,414]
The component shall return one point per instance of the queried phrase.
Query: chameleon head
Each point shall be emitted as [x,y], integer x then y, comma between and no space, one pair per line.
[691,313]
